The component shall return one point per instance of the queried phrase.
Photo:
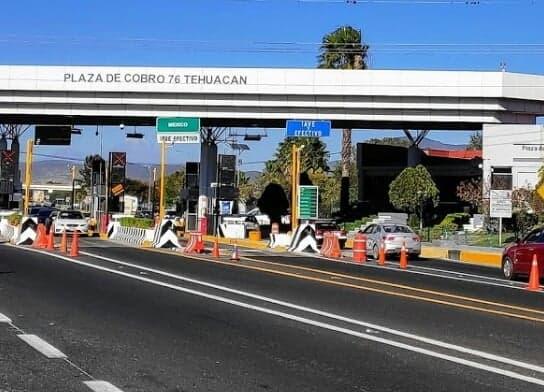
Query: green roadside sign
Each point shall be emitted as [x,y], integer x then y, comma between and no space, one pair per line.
[178,130]
[308,202]
[178,124]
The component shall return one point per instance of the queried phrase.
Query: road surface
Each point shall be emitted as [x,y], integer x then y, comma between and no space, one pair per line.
[127,319]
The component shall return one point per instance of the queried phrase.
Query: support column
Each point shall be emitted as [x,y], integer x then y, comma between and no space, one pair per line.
[208,173]
[415,154]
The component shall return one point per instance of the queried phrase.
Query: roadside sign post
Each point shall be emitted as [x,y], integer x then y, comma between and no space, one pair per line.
[28,174]
[295,174]
[174,130]
[161,196]
[308,202]
[500,206]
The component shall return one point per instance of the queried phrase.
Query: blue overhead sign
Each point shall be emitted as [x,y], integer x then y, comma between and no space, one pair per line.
[308,128]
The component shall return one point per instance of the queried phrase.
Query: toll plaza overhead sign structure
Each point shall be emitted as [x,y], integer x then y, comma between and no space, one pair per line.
[308,202]
[308,128]
[182,130]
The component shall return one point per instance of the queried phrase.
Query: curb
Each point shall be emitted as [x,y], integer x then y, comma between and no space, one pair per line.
[486,259]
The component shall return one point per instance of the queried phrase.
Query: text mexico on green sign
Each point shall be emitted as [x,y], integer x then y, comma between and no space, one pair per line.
[178,124]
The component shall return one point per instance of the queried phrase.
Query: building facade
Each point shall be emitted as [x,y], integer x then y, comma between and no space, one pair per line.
[512,156]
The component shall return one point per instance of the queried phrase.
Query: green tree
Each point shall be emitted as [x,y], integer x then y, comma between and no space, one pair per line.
[136,188]
[475,142]
[172,187]
[471,192]
[412,188]
[92,164]
[343,49]
[248,189]
[314,156]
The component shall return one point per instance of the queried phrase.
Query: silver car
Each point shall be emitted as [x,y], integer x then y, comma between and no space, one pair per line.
[393,236]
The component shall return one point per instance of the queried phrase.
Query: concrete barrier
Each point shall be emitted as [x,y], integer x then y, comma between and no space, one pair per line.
[469,256]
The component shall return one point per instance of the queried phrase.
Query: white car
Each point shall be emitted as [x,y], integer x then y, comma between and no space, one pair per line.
[71,221]
[394,236]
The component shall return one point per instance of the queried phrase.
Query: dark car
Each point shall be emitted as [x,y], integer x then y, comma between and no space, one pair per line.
[323,226]
[43,214]
[517,258]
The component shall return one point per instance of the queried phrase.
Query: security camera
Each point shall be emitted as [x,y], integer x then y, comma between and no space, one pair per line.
[122,126]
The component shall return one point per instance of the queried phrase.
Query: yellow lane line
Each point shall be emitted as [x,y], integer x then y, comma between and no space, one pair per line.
[401,286]
[364,288]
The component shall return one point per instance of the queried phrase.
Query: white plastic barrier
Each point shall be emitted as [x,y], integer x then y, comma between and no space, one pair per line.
[129,235]
[164,236]
[281,239]
[304,239]
[28,230]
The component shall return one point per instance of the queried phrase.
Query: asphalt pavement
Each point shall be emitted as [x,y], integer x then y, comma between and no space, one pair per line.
[143,320]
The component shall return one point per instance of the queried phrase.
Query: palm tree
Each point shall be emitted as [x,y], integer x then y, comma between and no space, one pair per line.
[343,49]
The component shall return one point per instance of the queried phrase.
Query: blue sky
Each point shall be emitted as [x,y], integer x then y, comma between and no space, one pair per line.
[235,32]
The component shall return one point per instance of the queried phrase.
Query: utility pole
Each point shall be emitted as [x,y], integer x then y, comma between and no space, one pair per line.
[28,174]
[295,174]
[73,186]
[161,195]
[153,194]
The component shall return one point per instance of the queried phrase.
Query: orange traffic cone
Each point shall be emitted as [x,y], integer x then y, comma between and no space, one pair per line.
[534,278]
[199,247]
[403,256]
[215,250]
[74,249]
[381,254]
[40,231]
[235,256]
[336,252]
[64,243]
[51,239]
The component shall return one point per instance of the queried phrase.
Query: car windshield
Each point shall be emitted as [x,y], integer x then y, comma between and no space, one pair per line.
[397,229]
[70,215]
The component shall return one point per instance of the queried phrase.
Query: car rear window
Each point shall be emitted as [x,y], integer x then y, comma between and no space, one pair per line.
[327,227]
[70,215]
[397,229]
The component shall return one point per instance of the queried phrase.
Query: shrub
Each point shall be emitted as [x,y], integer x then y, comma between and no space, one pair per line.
[349,226]
[139,223]
[450,224]
[15,219]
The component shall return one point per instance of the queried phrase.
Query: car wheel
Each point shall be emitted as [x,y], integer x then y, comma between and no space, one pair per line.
[508,268]
[375,253]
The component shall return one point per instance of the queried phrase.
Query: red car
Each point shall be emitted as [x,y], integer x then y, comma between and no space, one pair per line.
[517,258]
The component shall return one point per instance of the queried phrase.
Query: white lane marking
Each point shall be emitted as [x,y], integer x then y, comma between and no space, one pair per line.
[42,346]
[391,331]
[101,386]
[331,327]
[4,319]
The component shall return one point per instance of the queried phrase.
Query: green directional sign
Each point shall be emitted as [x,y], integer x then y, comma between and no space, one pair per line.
[178,130]
[308,201]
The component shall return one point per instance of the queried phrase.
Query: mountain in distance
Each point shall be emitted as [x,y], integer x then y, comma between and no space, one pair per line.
[436,145]
[56,171]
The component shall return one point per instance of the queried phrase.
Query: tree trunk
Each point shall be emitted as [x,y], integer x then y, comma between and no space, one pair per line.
[346,165]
